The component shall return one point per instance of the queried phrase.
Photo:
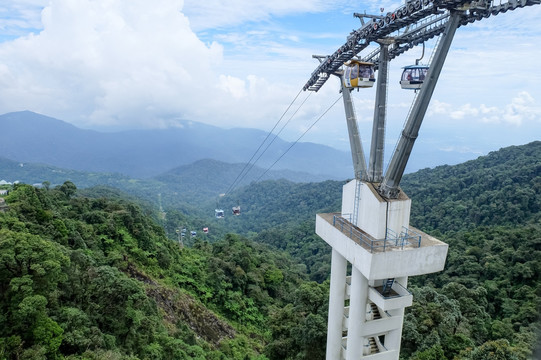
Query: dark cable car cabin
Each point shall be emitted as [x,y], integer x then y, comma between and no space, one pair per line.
[236,210]
[413,77]
[219,213]
[358,74]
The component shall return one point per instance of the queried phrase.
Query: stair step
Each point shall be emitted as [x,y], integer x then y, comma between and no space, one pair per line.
[373,346]
[375,311]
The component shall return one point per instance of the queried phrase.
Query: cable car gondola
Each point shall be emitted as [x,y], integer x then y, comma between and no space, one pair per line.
[413,76]
[358,74]
[219,213]
[236,210]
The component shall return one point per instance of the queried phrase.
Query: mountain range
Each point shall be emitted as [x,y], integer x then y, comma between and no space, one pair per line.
[35,138]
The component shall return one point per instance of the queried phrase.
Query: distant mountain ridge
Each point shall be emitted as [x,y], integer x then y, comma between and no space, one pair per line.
[218,176]
[31,137]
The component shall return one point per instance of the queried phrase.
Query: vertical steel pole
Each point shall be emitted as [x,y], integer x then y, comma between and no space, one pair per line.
[375,163]
[357,153]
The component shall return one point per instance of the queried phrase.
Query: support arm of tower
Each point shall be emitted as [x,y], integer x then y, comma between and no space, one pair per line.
[357,153]
[375,163]
[390,185]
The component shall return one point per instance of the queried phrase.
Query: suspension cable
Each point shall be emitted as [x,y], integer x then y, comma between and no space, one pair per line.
[264,140]
[300,137]
[269,144]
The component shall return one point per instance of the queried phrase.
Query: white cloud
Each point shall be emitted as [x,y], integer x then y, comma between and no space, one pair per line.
[211,14]
[139,64]
[438,108]
[460,149]
[464,111]
[110,63]
[233,85]
[521,108]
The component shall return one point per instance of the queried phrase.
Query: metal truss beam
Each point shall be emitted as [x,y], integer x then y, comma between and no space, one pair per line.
[389,186]
[419,20]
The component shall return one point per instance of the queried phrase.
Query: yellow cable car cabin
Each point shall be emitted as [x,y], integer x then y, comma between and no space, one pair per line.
[359,74]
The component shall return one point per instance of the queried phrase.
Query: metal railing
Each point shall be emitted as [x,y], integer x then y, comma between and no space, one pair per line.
[407,237]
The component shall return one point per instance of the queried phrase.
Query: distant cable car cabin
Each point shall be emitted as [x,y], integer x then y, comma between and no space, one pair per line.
[413,77]
[236,210]
[219,213]
[358,74]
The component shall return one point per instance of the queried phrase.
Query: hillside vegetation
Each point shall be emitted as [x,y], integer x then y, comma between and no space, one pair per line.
[488,211]
[84,278]
[501,188]
[489,295]
[92,275]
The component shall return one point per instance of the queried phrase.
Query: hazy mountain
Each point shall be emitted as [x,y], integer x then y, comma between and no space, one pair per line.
[30,137]
[187,185]
[219,177]
[34,173]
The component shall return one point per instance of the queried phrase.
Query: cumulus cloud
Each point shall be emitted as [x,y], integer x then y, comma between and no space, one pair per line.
[107,61]
[127,64]
[461,149]
[522,107]
[235,86]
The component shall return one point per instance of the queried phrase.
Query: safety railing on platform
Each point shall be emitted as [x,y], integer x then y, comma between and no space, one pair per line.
[392,240]
[406,237]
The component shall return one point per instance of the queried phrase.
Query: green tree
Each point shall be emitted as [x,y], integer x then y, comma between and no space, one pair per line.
[491,350]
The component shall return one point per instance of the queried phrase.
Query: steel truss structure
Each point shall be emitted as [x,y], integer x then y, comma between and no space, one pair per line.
[396,32]
[409,25]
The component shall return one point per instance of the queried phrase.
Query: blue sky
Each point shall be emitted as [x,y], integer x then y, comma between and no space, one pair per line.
[119,64]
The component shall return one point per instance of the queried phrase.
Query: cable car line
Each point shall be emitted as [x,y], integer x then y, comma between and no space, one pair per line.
[415,96]
[261,145]
[420,20]
[271,142]
[300,137]
[219,213]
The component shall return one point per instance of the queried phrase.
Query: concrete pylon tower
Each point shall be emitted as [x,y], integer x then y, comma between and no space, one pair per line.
[372,232]
[366,307]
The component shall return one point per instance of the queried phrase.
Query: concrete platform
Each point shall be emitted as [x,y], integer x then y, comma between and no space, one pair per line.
[383,262]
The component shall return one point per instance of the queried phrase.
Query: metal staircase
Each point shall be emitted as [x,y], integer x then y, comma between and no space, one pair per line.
[373,346]
[387,287]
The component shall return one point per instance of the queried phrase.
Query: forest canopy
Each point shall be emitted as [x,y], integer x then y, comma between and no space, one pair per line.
[94,274]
